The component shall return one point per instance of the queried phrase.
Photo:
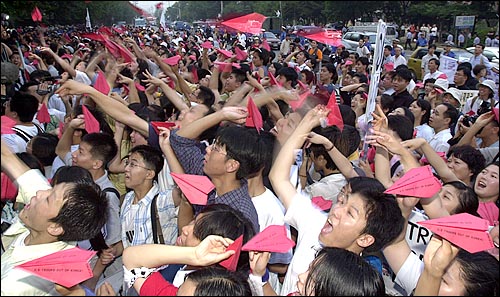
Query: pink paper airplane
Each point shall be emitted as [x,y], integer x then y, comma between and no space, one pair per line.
[195,187]
[101,83]
[463,230]
[67,267]
[231,262]
[322,203]
[172,61]
[271,239]
[225,53]
[334,117]
[296,104]
[417,182]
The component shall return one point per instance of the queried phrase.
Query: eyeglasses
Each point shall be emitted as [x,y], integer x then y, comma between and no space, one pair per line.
[133,164]
[214,147]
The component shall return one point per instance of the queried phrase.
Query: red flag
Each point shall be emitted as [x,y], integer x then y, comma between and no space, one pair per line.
[327,37]
[43,115]
[93,36]
[334,116]
[36,15]
[125,53]
[105,30]
[101,83]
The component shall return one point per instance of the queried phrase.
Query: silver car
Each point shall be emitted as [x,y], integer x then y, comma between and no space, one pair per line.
[273,41]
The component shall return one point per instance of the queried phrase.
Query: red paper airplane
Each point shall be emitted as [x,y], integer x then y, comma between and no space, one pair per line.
[43,115]
[250,23]
[167,125]
[334,116]
[240,54]
[226,67]
[296,104]
[271,239]
[7,125]
[231,262]
[195,187]
[265,45]
[36,15]
[207,44]
[67,267]
[172,61]
[417,182]
[463,230]
[101,84]
[273,80]
[322,203]
[225,53]
[254,118]
[495,111]
[91,124]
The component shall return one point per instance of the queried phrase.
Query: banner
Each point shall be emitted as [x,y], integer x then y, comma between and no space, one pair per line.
[87,20]
[378,59]
[448,66]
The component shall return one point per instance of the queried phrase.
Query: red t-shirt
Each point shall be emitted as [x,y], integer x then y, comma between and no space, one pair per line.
[156,285]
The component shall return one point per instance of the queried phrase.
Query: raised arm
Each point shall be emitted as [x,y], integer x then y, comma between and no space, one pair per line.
[113,108]
[280,171]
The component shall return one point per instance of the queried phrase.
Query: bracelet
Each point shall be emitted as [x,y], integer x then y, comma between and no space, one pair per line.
[330,148]
[302,175]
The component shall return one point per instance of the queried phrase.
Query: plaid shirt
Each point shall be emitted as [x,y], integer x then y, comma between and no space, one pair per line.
[143,231]
[191,154]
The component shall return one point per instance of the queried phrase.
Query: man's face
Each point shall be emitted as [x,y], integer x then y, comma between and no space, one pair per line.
[345,222]
[387,52]
[397,51]
[432,66]
[231,83]
[83,158]
[478,50]
[215,161]
[360,67]
[437,119]
[399,84]
[136,171]
[324,74]
[459,78]
[44,206]
[431,51]
[285,126]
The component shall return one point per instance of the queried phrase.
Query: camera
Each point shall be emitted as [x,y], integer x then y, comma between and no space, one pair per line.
[469,120]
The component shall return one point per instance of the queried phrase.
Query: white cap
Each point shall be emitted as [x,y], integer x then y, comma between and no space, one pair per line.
[210,38]
[455,93]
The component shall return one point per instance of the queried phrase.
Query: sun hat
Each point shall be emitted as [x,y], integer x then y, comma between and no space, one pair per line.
[455,93]
[442,84]
[487,83]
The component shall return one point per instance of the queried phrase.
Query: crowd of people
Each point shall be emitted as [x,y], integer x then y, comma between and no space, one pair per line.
[99,127]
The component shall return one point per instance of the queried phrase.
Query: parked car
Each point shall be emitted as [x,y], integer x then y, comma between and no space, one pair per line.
[273,41]
[415,60]
[352,38]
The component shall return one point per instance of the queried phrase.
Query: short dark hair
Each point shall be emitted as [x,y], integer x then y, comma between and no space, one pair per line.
[103,146]
[25,105]
[84,212]
[152,157]
[402,125]
[469,155]
[451,113]
[218,281]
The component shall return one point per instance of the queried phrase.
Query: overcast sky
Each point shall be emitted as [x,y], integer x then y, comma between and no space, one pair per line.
[149,6]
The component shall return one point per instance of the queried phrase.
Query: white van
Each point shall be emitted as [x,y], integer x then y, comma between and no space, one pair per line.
[390,32]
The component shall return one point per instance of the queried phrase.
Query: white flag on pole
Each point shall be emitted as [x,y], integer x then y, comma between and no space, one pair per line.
[162,20]
[87,20]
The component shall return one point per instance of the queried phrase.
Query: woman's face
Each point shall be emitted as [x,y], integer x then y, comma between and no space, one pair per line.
[460,168]
[449,196]
[398,111]
[415,109]
[452,283]
[486,185]
[484,92]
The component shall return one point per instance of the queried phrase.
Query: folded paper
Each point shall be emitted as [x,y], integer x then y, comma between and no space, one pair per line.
[207,44]
[67,267]
[225,66]
[463,230]
[225,53]
[254,118]
[43,115]
[231,262]
[417,182]
[91,124]
[101,84]
[167,125]
[296,104]
[322,203]
[272,239]
[240,54]
[334,117]
[195,187]
[172,61]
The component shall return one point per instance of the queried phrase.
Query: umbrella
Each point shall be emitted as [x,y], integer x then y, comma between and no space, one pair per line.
[250,23]
[327,37]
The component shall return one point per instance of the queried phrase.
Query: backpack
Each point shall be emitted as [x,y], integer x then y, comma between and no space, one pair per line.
[25,136]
